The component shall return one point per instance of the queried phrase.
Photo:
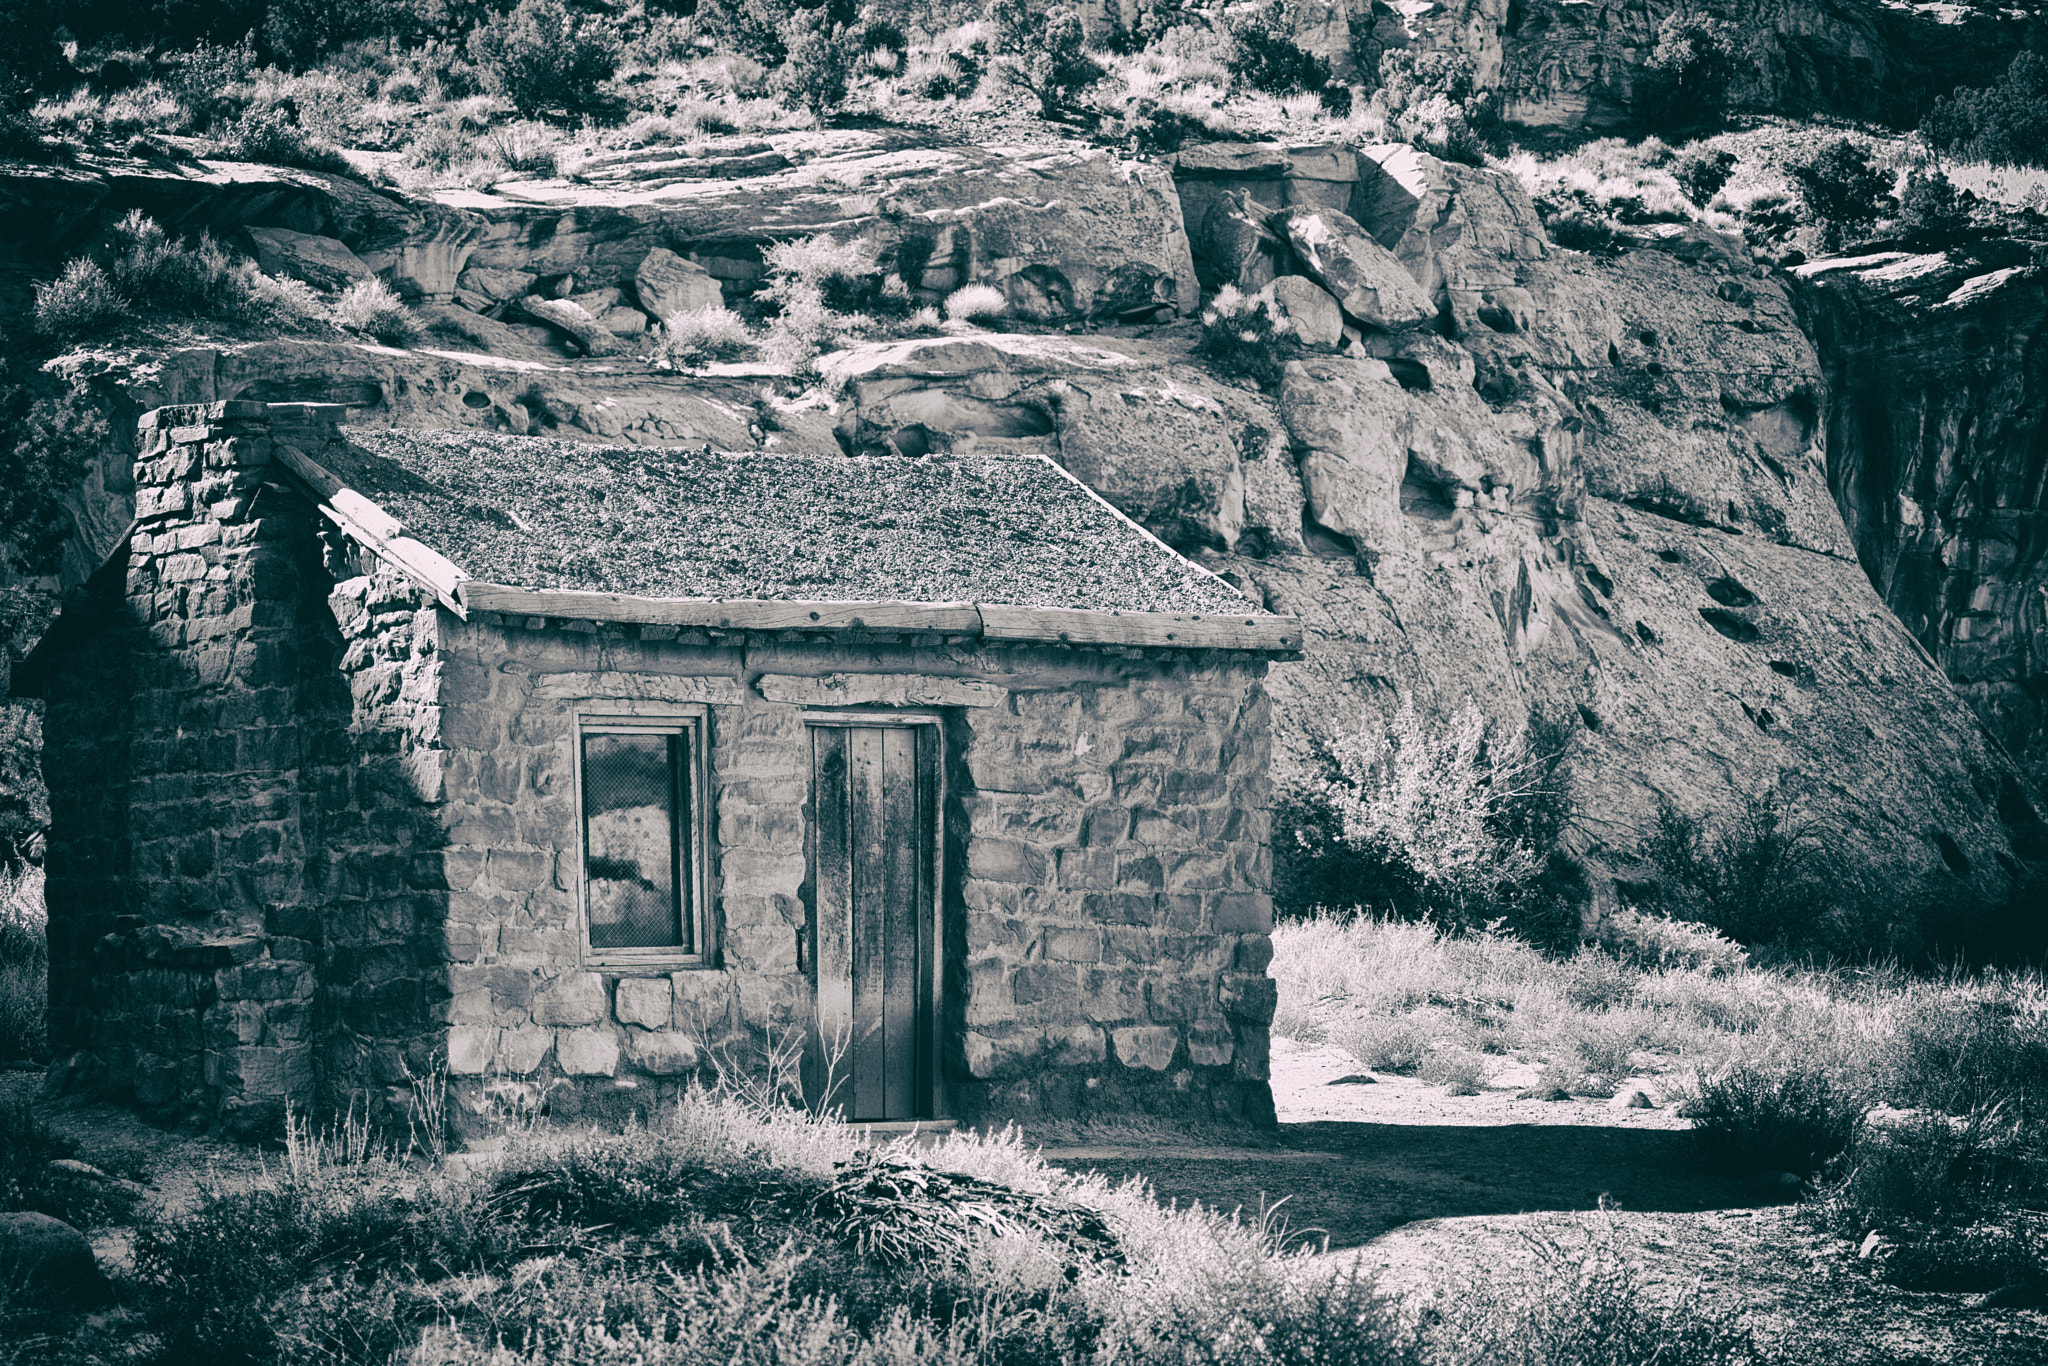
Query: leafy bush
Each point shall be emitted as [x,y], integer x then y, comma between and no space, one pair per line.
[2006,123]
[272,137]
[542,56]
[1422,817]
[701,337]
[1841,188]
[976,303]
[1903,1167]
[369,307]
[1433,101]
[80,302]
[815,284]
[1932,212]
[212,82]
[1752,1119]
[46,445]
[1042,53]
[1701,171]
[24,958]
[1687,72]
[1245,335]
[1264,55]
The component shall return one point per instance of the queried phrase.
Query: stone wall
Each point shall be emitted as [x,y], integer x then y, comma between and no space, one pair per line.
[184,696]
[1106,895]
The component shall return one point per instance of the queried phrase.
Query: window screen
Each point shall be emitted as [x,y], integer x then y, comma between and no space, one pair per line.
[636,841]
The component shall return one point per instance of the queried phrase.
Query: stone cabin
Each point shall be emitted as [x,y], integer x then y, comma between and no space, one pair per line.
[581,770]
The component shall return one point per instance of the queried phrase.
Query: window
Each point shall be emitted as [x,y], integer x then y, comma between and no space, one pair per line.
[643,856]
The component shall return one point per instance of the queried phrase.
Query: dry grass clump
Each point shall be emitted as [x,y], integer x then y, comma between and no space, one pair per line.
[369,307]
[699,337]
[976,303]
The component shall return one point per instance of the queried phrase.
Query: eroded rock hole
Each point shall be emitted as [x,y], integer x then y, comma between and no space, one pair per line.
[1739,629]
[476,398]
[1647,636]
[1729,593]
[1760,715]
[1411,375]
[1599,581]
[1951,853]
[1498,318]
[1589,716]
[1670,557]
[1331,545]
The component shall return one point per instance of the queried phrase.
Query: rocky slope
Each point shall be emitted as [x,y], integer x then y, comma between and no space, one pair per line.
[1586,491]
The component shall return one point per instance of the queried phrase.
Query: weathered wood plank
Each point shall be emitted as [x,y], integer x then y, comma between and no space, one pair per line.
[832,925]
[930,960]
[900,912]
[894,690]
[1251,631]
[316,476]
[868,837]
[737,615]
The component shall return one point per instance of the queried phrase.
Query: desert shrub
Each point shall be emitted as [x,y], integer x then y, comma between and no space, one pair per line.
[46,446]
[1042,53]
[1432,100]
[814,286]
[1981,1257]
[1757,879]
[271,136]
[1961,1055]
[820,62]
[542,56]
[212,82]
[24,957]
[1902,1167]
[530,148]
[80,302]
[1263,53]
[701,337]
[2005,123]
[976,303]
[1753,1119]
[1581,231]
[1412,816]
[1655,943]
[369,307]
[1932,212]
[1687,72]
[1701,171]
[1245,336]
[1841,188]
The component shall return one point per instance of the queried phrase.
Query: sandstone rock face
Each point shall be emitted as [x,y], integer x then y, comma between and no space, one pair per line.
[1934,400]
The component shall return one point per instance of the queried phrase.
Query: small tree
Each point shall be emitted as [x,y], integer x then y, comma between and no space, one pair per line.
[819,65]
[1685,80]
[1701,172]
[1841,188]
[1265,57]
[1042,52]
[1932,212]
[542,56]
[2005,123]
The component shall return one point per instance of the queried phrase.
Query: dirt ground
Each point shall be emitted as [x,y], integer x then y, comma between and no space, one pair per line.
[1404,1179]
[1408,1181]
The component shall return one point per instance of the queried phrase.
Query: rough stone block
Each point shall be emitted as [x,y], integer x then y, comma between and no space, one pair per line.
[520,1051]
[1210,1047]
[587,1052]
[1073,946]
[470,1050]
[663,1053]
[993,1054]
[1007,861]
[1080,1046]
[1246,913]
[646,1001]
[575,998]
[1146,1046]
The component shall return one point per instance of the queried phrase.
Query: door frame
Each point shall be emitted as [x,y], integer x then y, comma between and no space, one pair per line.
[932,923]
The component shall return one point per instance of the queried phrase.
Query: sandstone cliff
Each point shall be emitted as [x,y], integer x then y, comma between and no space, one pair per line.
[1590,490]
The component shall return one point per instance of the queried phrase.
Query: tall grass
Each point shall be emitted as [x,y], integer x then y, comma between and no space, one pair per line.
[24,964]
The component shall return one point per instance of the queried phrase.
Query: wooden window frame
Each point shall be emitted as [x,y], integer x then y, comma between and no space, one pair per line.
[935,1099]
[692,720]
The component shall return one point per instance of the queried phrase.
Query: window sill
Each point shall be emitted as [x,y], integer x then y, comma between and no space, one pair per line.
[649,964]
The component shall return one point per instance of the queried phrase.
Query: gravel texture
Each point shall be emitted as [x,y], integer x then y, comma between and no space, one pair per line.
[668,523]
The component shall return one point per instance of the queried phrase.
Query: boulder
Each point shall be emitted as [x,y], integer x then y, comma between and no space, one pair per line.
[49,1258]
[494,285]
[321,262]
[624,322]
[1318,322]
[571,320]
[667,283]
[1361,274]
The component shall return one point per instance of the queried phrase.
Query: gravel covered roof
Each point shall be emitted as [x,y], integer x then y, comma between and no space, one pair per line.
[663,522]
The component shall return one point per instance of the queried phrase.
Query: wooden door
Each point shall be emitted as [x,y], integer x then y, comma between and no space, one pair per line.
[872,841]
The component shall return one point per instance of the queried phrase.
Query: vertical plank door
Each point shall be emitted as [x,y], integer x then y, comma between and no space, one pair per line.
[871,873]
